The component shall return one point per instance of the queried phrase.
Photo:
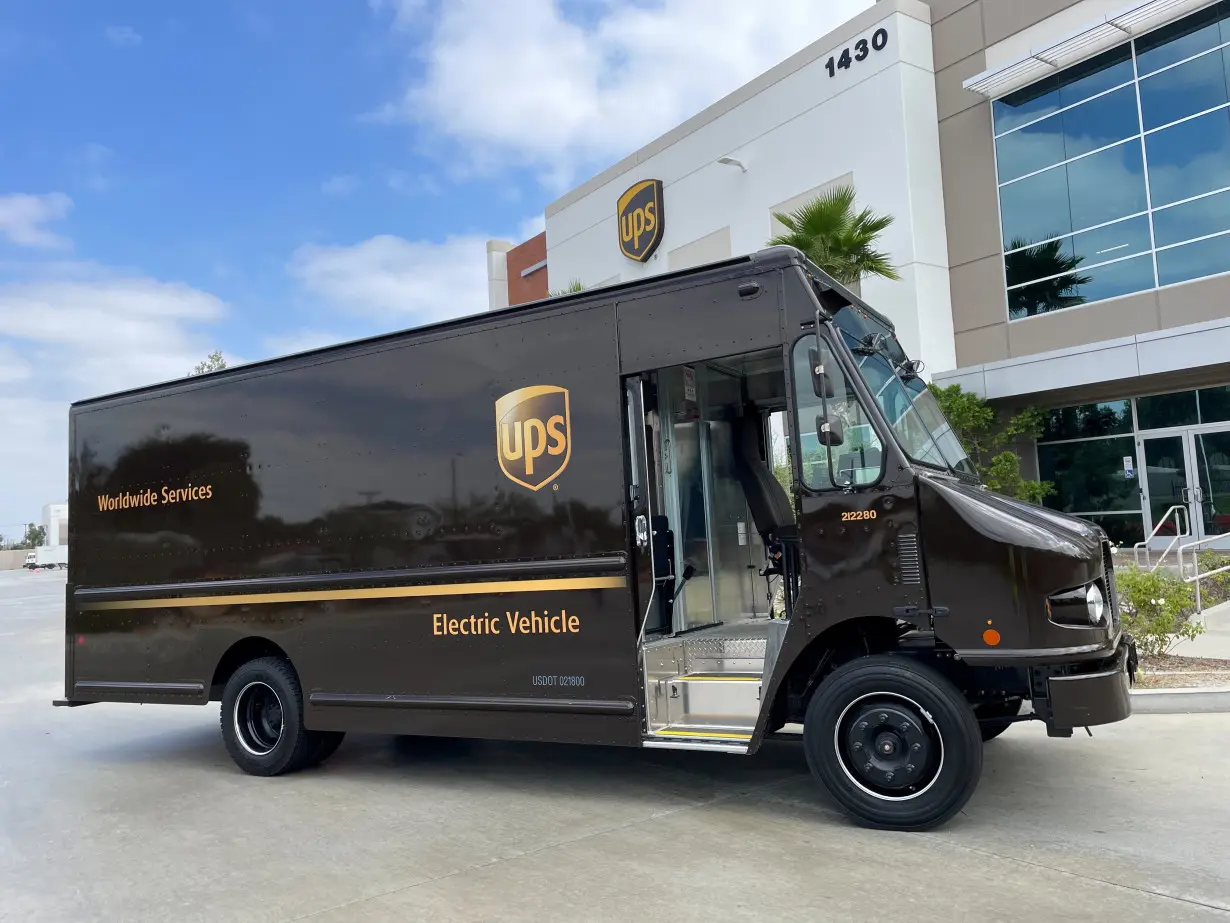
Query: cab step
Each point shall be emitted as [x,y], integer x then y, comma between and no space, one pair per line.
[715,705]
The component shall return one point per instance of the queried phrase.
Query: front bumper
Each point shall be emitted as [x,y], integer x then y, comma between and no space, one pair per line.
[1093,692]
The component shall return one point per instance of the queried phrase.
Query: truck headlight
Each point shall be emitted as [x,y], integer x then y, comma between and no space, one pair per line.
[1083,607]
[1095,604]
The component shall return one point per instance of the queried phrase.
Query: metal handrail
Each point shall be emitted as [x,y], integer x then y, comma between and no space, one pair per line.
[1196,575]
[1184,532]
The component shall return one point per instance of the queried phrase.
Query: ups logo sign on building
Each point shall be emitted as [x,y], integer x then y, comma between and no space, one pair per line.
[533,434]
[640,220]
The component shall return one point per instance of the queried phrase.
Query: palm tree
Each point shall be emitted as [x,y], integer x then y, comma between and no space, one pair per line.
[836,238]
[573,286]
[1060,287]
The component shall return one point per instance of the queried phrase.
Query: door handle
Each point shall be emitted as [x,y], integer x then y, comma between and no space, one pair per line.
[642,531]
[1186,495]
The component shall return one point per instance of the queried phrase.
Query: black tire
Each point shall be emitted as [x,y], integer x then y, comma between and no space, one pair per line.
[928,750]
[262,719]
[987,715]
[327,743]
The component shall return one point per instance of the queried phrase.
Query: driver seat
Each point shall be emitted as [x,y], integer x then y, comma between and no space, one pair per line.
[768,501]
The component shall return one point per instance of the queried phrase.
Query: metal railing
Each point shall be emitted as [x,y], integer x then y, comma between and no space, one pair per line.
[1181,531]
[1196,575]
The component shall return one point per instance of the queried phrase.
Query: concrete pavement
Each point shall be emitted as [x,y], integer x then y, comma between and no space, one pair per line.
[135,813]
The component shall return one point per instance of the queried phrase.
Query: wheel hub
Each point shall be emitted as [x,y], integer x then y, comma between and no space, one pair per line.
[889,746]
[258,718]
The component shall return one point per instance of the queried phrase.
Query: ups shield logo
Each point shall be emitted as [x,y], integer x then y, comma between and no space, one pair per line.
[533,435]
[640,220]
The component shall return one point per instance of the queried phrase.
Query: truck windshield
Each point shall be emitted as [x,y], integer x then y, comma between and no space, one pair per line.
[911,409]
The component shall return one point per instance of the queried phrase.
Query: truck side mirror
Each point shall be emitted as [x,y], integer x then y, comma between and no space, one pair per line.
[870,344]
[912,368]
[830,432]
[821,381]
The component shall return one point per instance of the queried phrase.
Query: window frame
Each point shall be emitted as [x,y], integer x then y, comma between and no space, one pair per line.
[887,443]
[1220,13]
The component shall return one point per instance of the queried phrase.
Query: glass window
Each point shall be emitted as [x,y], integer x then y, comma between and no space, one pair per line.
[1190,158]
[1124,529]
[1171,44]
[1123,238]
[1056,257]
[1200,218]
[1101,121]
[1089,477]
[1080,220]
[1193,261]
[1215,404]
[1116,279]
[860,457]
[1081,287]
[1161,410]
[1074,132]
[1184,90]
[1036,209]
[1023,106]
[1107,185]
[1044,261]
[1109,69]
[1032,148]
[1105,419]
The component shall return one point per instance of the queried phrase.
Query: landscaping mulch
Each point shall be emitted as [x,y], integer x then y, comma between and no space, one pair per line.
[1171,671]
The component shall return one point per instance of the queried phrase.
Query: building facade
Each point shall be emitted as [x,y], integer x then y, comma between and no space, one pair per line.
[1059,175]
[55,521]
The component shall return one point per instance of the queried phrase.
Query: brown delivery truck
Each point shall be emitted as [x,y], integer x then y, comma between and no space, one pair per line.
[683,512]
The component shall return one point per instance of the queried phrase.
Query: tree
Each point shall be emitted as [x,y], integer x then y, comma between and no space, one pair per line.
[836,238]
[1060,286]
[34,538]
[988,436]
[572,287]
[213,363]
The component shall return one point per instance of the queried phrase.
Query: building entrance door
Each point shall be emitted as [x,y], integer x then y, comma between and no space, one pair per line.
[1190,469]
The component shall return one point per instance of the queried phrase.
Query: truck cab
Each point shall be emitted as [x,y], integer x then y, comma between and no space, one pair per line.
[815,548]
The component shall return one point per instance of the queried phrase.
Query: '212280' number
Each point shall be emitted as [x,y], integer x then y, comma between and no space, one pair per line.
[858,514]
[879,41]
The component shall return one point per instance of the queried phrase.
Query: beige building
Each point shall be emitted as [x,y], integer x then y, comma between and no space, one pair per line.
[1085,151]
[1060,175]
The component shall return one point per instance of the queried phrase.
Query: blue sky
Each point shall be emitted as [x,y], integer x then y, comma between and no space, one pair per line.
[260,176]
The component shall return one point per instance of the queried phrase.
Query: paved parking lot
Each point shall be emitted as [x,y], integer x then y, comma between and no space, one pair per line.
[135,813]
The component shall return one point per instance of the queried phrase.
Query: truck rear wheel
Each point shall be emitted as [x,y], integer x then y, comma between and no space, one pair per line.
[262,719]
[894,743]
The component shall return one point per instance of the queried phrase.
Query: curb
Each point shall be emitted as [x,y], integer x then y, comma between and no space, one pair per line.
[1195,700]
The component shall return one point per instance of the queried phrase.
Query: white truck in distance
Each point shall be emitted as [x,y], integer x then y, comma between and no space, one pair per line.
[47,558]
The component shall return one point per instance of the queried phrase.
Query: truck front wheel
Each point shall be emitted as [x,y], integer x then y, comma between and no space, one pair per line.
[262,719]
[894,743]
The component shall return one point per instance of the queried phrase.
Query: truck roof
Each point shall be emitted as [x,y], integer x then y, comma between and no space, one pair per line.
[767,258]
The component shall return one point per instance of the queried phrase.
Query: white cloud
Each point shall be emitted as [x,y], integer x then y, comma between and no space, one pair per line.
[531,227]
[122,36]
[341,185]
[522,83]
[74,330]
[22,217]
[388,277]
[12,366]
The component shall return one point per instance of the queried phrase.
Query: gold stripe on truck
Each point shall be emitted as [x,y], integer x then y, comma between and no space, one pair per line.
[389,592]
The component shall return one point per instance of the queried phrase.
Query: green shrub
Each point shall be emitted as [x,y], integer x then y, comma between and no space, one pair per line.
[1156,608]
[1215,589]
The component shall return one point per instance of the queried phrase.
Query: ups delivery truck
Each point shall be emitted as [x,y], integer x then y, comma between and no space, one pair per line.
[683,512]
